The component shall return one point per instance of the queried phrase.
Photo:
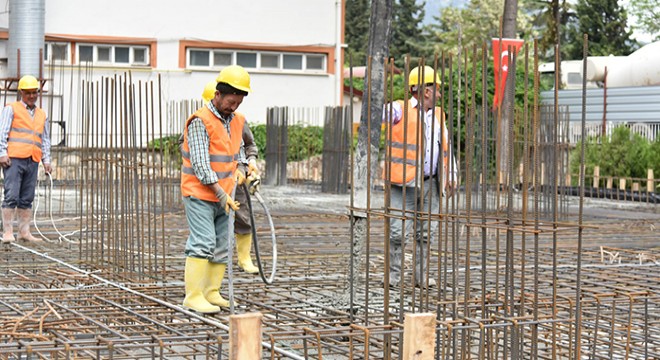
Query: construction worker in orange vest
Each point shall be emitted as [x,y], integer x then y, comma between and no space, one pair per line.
[247,164]
[418,143]
[24,142]
[212,140]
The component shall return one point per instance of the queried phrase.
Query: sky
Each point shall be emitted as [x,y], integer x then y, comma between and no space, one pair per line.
[432,8]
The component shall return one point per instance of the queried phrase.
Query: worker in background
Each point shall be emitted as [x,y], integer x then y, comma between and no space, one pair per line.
[247,163]
[413,188]
[24,142]
[212,139]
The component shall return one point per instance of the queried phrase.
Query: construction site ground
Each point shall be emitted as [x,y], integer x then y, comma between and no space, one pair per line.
[53,304]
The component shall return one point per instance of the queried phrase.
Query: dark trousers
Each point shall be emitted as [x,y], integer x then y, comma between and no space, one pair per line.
[20,182]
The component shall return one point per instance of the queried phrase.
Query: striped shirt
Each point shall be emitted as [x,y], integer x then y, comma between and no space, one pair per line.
[6,119]
[199,142]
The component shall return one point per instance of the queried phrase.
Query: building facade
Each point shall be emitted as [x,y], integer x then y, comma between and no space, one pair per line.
[292,48]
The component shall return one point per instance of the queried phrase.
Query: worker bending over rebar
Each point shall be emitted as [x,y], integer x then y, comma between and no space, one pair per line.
[212,140]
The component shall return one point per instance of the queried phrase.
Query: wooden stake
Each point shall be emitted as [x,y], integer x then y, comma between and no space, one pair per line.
[596,176]
[245,336]
[419,336]
[649,181]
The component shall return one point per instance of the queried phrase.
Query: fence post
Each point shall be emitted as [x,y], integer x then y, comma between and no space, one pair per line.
[649,181]
[245,336]
[419,336]
[596,176]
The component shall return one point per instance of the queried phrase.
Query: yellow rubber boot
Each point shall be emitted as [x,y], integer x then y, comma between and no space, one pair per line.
[196,277]
[243,246]
[216,273]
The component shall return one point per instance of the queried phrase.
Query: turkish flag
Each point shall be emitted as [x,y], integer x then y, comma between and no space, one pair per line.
[501,57]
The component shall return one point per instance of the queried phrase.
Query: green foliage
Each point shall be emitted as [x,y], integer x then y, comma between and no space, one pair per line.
[304,141]
[259,134]
[407,31]
[357,30]
[648,16]
[170,147]
[605,21]
[477,23]
[624,154]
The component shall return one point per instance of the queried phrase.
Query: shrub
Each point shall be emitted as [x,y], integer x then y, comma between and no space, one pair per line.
[304,141]
[624,154]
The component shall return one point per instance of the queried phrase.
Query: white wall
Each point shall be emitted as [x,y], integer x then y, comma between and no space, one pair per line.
[262,22]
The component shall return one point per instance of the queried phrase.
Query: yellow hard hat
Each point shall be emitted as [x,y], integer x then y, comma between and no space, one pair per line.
[430,76]
[28,82]
[235,76]
[209,91]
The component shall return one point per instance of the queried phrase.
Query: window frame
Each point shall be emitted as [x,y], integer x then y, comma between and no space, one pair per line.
[112,54]
[258,54]
[48,53]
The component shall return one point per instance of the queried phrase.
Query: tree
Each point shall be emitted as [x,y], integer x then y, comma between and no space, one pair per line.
[550,19]
[407,30]
[357,30]
[647,13]
[605,21]
[366,155]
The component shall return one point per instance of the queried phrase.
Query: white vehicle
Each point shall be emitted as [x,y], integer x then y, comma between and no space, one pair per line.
[641,68]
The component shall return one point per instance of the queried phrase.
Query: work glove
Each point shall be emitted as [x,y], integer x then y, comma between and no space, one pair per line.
[226,202]
[254,180]
[240,177]
[252,167]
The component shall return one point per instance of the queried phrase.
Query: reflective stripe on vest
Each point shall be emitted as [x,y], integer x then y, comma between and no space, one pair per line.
[223,154]
[26,133]
[403,145]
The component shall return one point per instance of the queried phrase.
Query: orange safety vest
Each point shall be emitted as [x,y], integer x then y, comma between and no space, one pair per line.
[223,153]
[26,133]
[403,146]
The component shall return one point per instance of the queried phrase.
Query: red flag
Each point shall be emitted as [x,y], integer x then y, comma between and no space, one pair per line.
[501,61]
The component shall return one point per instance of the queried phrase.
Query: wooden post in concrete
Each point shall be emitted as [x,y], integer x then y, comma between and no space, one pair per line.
[649,181]
[419,336]
[245,336]
[596,176]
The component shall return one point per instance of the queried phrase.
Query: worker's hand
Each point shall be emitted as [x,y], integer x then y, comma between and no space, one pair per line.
[252,167]
[47,168]
[254,180]
[226,202]
[240,177]
[231,203]
[451,188]
[5,161]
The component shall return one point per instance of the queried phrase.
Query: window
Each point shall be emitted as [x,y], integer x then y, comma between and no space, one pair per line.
[574,78]
[247,60]
[315,62]
[122,55]
[85,53]
[114,55]
[222,58]
[293,62]
[270,61]
[56,52]
[266,60]
[104,53]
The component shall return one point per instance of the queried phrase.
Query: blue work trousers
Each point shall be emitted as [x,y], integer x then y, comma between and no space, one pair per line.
[20,182]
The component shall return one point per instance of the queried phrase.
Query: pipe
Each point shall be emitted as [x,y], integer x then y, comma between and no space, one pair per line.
[27,19]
